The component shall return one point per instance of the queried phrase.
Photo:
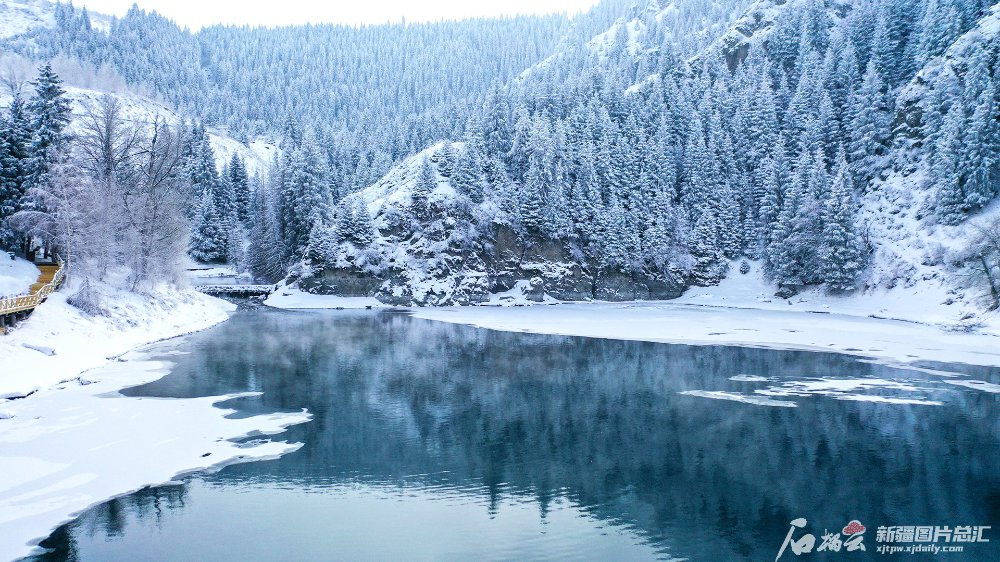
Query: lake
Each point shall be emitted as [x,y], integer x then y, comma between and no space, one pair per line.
[447,442]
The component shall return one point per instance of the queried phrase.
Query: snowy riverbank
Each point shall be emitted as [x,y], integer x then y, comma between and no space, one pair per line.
[65,450]
[902,325]
[921,323]
[59,341]
[75,441]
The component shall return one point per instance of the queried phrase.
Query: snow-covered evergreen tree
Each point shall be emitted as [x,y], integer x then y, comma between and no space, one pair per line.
[208,240]
[840,251]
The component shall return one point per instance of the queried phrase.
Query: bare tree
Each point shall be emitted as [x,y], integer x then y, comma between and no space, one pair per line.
[66,216]
[983,259]
[107,145]
[153,205]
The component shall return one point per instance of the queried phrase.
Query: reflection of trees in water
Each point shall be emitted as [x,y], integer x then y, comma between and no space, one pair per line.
[599,422]
[111,519]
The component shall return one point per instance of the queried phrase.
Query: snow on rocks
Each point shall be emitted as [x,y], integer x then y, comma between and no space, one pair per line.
[64,451]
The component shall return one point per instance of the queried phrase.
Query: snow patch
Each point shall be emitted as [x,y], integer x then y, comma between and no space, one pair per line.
[292,298]
[749,378]
[977,385]
[16,276]
[81,341]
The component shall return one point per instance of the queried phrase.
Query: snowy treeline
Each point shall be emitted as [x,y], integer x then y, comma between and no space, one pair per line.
[376,93]
[705,163]
[637,146]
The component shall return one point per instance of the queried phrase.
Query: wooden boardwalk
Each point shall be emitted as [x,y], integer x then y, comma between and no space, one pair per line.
[16,308]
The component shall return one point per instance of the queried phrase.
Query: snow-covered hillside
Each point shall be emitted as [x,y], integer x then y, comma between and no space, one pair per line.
[258,154]
[912,247]
[19,16]
[431,244]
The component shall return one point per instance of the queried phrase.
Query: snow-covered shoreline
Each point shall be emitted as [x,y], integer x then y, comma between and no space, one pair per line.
[902,325]
[59,341]
[889,340]
[75,441]
[64,451]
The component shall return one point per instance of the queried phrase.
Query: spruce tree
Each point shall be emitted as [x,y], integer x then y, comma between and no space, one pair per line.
[426,184]
[709,267]
[208,240]
[869,125]
[840,252]
[240,181]
[50,113]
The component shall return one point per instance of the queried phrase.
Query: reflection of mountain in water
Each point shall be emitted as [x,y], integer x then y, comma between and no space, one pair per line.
[600,422]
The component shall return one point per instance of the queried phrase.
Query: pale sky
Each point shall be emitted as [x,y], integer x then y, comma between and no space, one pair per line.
[199,13]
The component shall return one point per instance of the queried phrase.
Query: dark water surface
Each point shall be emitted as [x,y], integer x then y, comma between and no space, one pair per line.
[446,442]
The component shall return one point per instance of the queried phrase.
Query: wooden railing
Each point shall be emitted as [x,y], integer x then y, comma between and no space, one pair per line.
[23,303]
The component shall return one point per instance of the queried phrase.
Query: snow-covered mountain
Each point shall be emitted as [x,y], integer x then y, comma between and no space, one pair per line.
[140,110]
[20,16]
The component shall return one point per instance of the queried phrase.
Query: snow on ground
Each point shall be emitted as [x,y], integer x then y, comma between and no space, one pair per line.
[396,187]
[66,450]
[16,276]
[59,341]
[19,16]
[292,298]
[923,302]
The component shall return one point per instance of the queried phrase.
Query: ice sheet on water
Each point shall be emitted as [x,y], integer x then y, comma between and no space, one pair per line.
[736,397]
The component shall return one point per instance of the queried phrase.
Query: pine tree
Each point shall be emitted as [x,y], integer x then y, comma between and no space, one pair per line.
[14,166]
[208,241]
[840,252]
[362,229]
[200,164]
[869,125]
[980,159]
[240,181]
[531,202]
[446,160]
[265,251]
[467,174]
[709,266]
[946,169]
[49,115]
[426,184]
[304,200]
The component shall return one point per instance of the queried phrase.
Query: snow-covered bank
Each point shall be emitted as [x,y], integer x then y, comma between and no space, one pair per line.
[291,298]
[58,341]
[16,275]
[927,302]
[694,324]
[64,451]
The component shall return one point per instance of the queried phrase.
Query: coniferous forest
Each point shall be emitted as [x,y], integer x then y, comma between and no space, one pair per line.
[628,152]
